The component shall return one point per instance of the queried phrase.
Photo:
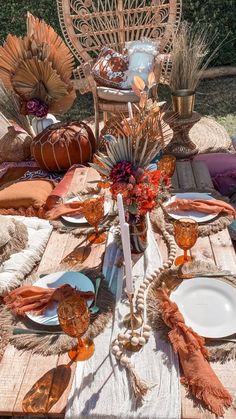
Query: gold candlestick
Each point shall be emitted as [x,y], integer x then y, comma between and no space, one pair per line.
[133,321]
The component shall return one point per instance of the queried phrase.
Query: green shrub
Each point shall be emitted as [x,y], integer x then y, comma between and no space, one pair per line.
[219,14]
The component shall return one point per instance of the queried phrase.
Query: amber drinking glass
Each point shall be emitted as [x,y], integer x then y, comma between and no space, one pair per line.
[167,165]
[93,210]
[186,234]
[74,318]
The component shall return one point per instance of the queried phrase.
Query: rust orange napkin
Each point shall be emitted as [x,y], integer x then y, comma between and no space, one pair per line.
[36,299]
[68,208]
[211,206]
[198,375]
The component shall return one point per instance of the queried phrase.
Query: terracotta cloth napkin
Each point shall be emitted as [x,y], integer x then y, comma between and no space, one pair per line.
[36,299]
[69,208]
[199,377]
[211,206]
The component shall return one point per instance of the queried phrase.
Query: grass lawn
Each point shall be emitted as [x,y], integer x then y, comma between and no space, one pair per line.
[215,98]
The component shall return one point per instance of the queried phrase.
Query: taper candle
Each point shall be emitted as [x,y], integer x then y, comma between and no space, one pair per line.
[128,260]
[121,211]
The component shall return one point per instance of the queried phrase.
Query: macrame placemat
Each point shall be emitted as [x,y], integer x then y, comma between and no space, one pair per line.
[160,218]
[53,344]
[219,350]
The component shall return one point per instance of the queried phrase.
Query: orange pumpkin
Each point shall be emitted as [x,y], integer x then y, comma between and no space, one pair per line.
[61,145]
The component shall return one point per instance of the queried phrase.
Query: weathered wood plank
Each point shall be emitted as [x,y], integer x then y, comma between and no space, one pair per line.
[202,176]
[223,251]
[12,368]
[185,175]
[37,366]
[54,252]
[175,181]
[203,250]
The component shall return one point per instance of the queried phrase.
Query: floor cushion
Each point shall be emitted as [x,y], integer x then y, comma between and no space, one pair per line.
[116,95]
[222,168]
[30,193]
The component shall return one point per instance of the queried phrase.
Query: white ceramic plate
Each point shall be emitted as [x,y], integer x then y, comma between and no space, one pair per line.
[79,219]
[208,306]
[54,280]
[200,217]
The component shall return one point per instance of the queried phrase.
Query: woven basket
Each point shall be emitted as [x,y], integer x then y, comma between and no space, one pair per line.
[14,145]
[209,136]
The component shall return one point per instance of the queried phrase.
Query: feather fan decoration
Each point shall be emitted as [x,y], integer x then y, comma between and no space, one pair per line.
[38,68]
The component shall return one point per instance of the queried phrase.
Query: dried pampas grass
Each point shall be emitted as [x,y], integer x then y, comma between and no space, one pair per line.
[10,108]
[190,56]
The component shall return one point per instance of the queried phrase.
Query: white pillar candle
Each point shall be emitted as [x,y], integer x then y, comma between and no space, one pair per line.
[121,211]
[128,260]
[130,111]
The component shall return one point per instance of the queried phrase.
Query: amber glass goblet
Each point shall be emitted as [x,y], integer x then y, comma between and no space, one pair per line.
[93,210]
[74,318]
[167,165]
[186,234]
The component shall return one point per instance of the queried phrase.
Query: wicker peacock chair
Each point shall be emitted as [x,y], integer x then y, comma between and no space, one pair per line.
[89,25]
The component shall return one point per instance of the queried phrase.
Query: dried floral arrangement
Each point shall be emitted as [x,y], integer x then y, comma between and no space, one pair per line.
[190,56]
[37,70]
[124,165]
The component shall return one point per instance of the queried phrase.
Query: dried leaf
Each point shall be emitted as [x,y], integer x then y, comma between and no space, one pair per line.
[143,100]
[151,79]
[136,91]
[139,83]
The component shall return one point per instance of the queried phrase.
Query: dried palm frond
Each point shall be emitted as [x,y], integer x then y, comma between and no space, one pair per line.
[10,108]
[137,139]
[146,126]
[38,67]
[190,56]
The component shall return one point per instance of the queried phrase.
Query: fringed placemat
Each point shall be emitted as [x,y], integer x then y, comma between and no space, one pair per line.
[160,217]
[54,344]
[219,350]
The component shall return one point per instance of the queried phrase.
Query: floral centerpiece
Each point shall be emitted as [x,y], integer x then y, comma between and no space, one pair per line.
[124,166]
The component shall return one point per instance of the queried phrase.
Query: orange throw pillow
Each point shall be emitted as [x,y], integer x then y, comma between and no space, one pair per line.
[25,194]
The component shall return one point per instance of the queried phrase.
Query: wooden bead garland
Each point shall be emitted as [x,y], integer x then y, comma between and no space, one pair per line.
[139,386]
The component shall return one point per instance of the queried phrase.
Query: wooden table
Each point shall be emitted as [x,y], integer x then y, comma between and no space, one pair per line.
[20,370]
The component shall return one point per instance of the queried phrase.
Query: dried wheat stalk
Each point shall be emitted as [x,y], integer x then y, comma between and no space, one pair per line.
[190,56]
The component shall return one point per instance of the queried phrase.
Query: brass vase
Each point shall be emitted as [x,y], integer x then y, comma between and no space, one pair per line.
[183,102]
[138,236]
